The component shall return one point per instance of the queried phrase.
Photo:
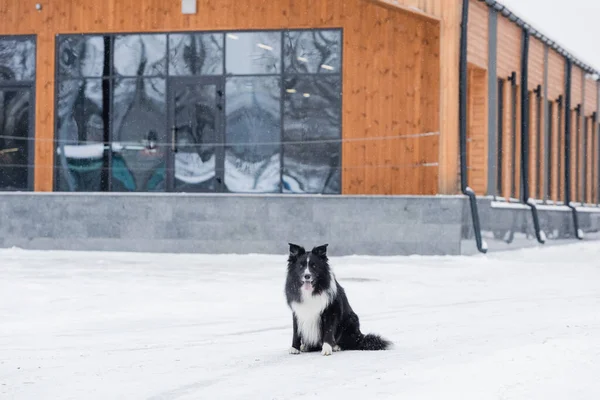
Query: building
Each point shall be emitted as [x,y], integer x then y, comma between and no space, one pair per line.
[348,100]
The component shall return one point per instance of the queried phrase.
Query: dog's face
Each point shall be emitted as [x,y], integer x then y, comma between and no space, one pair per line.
[309,270]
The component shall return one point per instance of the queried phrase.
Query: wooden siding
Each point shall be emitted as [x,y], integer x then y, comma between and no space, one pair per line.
[477,36]
[576,85]
[556,74]
[536,149]
[509,48]
[588,160]
[537,164]
[554,163]
[392,76]
[591,97]
[535,72]
[477,129]
[573,152]
[449,13]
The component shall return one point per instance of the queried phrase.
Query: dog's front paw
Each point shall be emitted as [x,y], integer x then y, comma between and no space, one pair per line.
[294,350]
[337,348]
[327,350]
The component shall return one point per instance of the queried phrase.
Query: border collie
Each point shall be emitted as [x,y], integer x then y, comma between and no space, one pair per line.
[322,317]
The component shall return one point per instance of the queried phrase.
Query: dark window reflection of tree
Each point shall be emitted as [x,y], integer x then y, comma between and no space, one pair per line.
[195,54]
[139,108]
[80,133]
[14,142]
[312,129]
[316,51]
[253,116]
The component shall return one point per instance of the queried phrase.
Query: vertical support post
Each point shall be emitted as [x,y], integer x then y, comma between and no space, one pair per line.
[525,195]
[494,117]
[567,183]
[462,126]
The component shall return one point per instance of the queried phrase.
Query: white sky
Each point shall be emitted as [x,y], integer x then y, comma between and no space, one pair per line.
[574,24]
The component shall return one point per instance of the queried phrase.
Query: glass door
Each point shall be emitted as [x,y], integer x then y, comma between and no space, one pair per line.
[196,109]
[16,144]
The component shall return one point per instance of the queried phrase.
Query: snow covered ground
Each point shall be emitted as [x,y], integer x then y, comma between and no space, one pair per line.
[513,325]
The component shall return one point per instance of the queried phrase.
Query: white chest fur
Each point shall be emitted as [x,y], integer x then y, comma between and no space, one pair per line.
[308,316]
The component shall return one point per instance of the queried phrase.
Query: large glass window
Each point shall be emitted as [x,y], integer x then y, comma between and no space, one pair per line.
[253,111]
[17,88]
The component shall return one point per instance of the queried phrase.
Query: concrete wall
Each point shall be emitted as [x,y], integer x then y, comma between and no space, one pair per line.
[510,225]
[231,223]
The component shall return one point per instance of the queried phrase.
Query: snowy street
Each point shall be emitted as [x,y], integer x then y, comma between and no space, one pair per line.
[515,325]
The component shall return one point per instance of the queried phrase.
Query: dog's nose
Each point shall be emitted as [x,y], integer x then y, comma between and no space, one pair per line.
[307,277]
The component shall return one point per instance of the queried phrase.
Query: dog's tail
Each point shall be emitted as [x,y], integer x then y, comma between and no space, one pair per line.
[371,341]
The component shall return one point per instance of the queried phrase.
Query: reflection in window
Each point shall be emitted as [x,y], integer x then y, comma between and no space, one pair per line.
[80,149]
[314,51]
[253,53]
[15,106]
[195,119]
[312,107]
[311,168]
[196,54]
[112,111]
[140,55]
[17,59]
[253,116]
[138,130]
[82,56]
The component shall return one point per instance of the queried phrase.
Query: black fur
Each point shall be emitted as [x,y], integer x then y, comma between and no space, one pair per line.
[339,325]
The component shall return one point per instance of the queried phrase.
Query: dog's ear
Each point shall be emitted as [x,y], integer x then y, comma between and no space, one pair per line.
[320,251]
[296,250]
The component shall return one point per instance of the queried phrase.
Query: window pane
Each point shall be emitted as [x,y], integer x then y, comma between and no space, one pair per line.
[140,55]
[82,56]
[311,168]
[250,53]
[14,139]
[17,59]
[196,54]
[139,135]
[312,107]
[253,134]
[315,51]
[196,119]
[80,149]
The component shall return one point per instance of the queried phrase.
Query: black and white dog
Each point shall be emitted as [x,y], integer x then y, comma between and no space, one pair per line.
[322,317]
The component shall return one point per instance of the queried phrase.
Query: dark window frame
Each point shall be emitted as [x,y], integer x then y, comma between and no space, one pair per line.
[30,85]
[168,78]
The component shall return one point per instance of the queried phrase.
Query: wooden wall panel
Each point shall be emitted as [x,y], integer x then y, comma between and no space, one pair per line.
[391,58]
[573,152]
[535,72]
[477,129]
[507,133]
[576,85]
[477,36]
[556,74]
[449,13]
[536,124]
[591,97]
[509,47]
[588,160]
[554,170]
[534,142]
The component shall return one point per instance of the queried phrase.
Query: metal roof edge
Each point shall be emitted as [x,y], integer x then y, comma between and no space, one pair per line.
[505,11]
